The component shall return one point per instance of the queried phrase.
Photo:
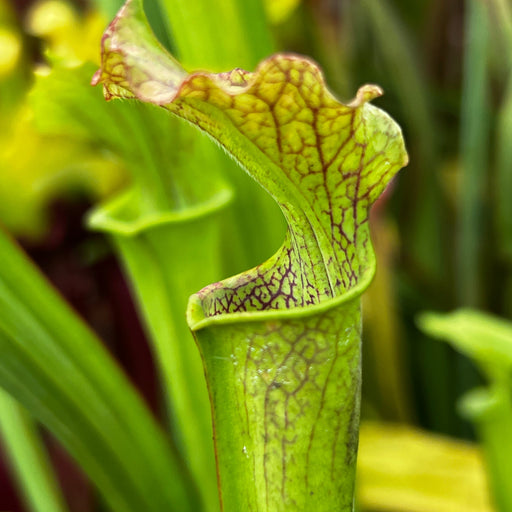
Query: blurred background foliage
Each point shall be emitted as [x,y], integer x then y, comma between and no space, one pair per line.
[442,233]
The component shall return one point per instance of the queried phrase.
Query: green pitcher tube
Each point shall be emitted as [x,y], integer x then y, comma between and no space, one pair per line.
[285,391]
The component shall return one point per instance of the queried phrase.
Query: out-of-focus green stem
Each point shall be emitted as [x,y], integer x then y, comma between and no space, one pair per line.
[29,460]
[385,338]
[504,14]
[400,61]
[170,185]
[503,182]
[474,139]
[423,231]
[473,148]
[232,34]
[503,174]
[491,411]
[405,73]
[487,340]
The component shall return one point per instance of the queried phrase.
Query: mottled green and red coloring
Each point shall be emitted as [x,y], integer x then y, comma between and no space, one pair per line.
[280,342]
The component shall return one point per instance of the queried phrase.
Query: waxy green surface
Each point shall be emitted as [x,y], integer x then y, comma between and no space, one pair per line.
[286,409]
[281,342]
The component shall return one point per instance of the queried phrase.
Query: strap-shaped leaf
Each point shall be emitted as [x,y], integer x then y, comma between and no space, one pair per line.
[28,458]
[59,371]
[324,162]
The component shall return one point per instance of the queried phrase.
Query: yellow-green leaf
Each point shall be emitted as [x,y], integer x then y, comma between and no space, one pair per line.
[280,342]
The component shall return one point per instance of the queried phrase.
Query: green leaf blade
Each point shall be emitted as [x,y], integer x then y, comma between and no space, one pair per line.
[208,47]
[53,365]
[28,457]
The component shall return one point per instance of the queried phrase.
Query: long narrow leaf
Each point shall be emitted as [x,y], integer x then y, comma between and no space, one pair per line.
[194,26]
[474,140]
[53,365]
[28,458]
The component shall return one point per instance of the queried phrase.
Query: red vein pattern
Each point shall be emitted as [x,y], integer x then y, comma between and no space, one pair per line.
[285,392]
[324,162]
[286,401]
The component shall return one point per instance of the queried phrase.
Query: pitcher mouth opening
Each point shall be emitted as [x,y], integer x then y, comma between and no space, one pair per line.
[200,316]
